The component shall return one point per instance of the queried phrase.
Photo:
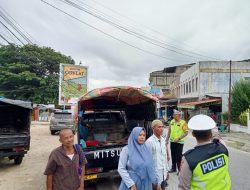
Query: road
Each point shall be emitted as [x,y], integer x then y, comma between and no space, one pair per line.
[29,175]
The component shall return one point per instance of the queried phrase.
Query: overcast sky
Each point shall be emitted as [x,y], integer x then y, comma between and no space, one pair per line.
[168,33]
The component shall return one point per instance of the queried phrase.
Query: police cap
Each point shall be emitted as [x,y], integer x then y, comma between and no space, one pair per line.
[177,112]
[201,122]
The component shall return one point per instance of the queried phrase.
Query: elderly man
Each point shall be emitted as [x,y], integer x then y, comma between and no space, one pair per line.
[178,130]
[63,166]
[157,144]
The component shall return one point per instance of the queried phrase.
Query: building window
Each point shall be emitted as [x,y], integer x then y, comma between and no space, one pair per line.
[196,84]
[189,85]
[192,85]
[186,87]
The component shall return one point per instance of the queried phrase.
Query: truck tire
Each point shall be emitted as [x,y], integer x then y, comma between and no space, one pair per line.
[18,160]
[52,132]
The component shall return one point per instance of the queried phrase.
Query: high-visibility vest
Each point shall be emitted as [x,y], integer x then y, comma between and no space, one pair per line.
[209,165]
[177,130]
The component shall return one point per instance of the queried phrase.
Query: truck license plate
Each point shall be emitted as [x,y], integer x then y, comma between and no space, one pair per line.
[89,177]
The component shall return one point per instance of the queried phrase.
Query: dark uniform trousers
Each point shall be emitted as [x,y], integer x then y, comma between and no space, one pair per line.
[176,154]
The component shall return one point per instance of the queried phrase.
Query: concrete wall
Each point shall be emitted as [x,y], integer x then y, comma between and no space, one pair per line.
[214,78]
[190,78]
[160,79]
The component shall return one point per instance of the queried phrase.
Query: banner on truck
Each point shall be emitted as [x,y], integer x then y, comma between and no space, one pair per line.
[72,83]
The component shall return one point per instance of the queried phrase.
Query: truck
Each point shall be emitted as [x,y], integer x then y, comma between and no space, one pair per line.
[15,120]
[106,117]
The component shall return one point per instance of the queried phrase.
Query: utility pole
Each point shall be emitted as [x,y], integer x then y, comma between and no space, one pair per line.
[229,97]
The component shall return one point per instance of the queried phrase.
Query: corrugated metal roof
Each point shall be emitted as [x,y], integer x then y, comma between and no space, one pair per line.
[191,105]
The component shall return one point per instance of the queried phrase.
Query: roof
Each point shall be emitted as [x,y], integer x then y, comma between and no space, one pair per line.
[19,103]
[119,95]
[173,68]
[192,105]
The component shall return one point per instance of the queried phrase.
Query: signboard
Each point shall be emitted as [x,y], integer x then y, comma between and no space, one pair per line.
[72,83]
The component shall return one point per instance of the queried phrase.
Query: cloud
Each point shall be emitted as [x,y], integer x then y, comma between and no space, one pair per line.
[213,28]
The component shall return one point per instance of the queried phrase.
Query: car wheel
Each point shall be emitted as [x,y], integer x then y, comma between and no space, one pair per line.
[18,160]
[52,132]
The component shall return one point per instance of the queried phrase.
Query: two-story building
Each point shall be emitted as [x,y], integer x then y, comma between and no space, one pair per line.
[204,87]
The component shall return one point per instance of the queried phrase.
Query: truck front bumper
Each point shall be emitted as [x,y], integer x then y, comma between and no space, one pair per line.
[112,173]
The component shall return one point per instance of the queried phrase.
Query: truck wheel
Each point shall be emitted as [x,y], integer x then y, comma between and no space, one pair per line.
[52,132]
[18,160]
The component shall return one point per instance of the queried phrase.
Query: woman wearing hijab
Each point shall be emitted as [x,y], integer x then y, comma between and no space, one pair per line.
[136,166]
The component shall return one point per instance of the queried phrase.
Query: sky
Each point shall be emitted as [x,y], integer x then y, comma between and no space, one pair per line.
[121,42]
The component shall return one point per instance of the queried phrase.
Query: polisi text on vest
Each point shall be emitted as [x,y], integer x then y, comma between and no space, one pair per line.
[213,164]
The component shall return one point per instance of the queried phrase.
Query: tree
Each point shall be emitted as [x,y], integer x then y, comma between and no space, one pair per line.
[30,73]
[240,98]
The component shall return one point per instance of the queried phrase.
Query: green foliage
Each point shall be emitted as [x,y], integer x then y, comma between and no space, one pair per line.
[240,98]
[243,117]
[30,73]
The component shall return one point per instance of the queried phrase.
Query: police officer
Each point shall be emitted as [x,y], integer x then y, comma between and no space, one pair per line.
[178,130]
[205,167]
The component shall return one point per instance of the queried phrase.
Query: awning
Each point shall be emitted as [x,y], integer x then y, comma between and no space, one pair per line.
[170,102]
[193,105]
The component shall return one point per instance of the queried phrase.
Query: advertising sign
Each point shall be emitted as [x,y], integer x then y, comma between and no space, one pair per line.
[72,83]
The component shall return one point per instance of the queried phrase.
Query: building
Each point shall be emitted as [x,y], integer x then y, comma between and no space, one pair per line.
[160,85]
[164,78]
[207,83]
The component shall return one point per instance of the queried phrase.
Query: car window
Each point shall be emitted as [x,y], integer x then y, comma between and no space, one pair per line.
[62,116]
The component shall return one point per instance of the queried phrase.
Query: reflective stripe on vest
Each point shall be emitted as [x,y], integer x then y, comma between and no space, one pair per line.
[177,131]
[212,174]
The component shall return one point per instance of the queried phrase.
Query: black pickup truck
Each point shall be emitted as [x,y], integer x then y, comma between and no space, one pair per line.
[105,118]
[15,118]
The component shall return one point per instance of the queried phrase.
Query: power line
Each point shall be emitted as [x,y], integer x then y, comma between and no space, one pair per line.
[15,28]
[4,39]
[17,24]
[13,25]
[101,31]
[133,33]
[153,30]
[10,38]
[11,32]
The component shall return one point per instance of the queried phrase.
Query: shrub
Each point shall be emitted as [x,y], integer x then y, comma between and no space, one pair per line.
[243,117]
[240,98]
